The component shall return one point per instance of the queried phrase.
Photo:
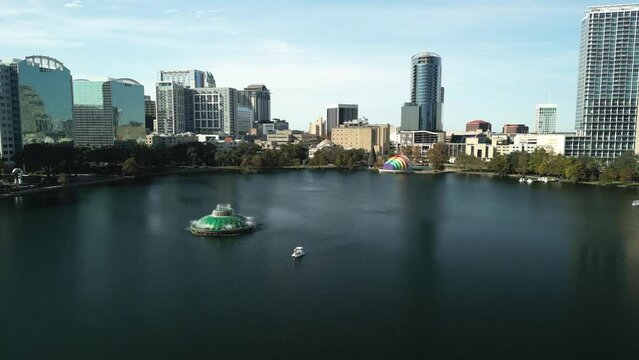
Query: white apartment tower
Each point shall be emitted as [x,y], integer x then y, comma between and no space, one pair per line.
[607,90]
[545,118]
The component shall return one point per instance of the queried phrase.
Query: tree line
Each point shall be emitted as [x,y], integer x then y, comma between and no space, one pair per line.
[542,163]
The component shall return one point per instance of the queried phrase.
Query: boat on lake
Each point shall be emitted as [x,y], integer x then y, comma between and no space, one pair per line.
[635,203]
[222,222]
[298,252]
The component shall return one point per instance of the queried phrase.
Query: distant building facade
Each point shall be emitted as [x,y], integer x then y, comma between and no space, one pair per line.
[10,134]
[410,117]
[318,127]
[188,78]
[215,110]
[45,99]
[514,129]
[478,125]
[258,97]
[170,112]
[545,118]
[338,114]
[149,113]
[165,140]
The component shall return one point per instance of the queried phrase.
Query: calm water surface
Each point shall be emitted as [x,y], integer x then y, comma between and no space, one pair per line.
[445,267]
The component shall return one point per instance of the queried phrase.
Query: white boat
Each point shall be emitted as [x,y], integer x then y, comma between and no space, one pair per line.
[543,179]
[635,203]
[298,252]
[529,181]
[521,180]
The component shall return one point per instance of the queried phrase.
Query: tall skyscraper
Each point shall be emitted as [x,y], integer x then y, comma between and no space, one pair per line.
[258,97]
[545,118]
[188,78]
[45,99]
[606,116]
[170,113]
[10,134]
[426,90]
[338,114]
[108,111]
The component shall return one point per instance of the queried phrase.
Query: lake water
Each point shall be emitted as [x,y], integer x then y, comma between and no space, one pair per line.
[397,266]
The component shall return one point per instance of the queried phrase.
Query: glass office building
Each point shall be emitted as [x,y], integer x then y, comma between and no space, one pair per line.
[46,100]
[108,111]
[606,115]
[426,89]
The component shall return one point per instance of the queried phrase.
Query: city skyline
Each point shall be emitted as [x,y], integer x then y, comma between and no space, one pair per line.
[483,58]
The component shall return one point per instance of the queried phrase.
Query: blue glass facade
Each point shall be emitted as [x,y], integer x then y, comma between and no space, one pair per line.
[426,90]
[46,100]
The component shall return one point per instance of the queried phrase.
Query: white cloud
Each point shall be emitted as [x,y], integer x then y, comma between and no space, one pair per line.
[170,11]
[73,4]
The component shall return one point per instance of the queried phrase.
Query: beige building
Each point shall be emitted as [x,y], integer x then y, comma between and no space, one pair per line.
[353,137]
[318,128]
[479,150]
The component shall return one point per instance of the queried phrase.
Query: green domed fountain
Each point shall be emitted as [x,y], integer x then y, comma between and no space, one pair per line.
[222,221]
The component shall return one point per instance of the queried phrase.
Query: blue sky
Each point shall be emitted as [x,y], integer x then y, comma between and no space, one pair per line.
[500,58]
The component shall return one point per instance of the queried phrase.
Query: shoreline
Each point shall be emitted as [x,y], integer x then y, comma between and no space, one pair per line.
[239,169]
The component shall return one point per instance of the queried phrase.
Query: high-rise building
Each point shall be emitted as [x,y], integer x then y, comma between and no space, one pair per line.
[170,113]
[338,114]
[10,134]
[149,113]
[258,97]
[45,99]
[318,127]
[216,110]
[426,90]
[545,118]
[188,78]
[606,116]
[108,111]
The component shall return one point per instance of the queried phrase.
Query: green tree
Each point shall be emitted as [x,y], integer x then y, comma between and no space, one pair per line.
[625,166]
[438,156]
[500,164]
[131,167]
[608,175]
[575,171]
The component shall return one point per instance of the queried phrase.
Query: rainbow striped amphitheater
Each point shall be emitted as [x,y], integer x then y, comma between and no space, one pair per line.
[398,164]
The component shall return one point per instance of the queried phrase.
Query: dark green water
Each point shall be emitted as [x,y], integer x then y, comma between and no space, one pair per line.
[446,267]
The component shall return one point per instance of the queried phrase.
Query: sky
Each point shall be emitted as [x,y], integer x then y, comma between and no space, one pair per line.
[499,58]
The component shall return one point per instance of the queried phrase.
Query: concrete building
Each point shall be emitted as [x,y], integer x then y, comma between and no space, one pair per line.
[326,143]
[410,117]
[10,134]
[337,114]
[188,78]
[258,97]
[551,143]
[515,129]
[318,127]
[545,118]
[478,125]
[353,137]
[426,90]
[280,124]
[170,112]
[149,113]
[607,97]
[480,149]
[166,140]
[215,110]
[421,140]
